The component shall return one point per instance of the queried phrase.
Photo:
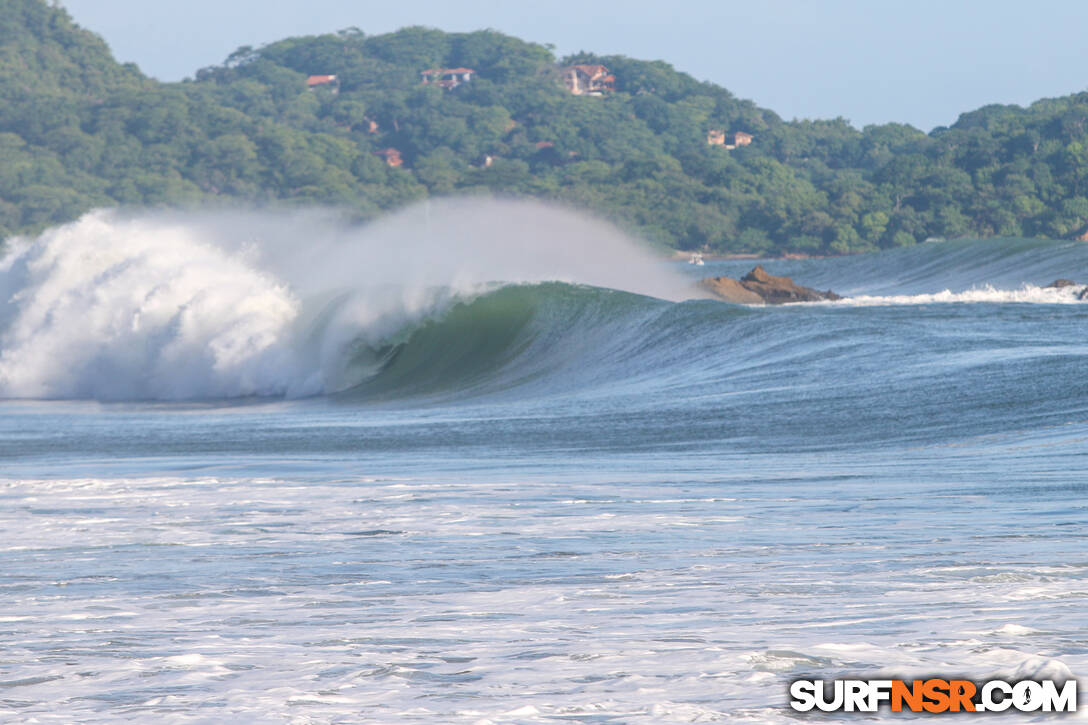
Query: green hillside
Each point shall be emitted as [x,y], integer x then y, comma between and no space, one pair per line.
[78,130]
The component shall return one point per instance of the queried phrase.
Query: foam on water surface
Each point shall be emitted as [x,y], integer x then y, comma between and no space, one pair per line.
[513,600]
[1028,294]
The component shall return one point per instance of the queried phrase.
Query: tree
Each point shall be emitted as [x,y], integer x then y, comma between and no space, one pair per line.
[89,132]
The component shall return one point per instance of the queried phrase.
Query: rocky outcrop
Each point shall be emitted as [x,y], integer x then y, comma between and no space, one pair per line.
[1059,283]
[731,290]
[758,287]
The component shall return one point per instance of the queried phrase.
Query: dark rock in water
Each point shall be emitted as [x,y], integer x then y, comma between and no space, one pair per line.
[777,290]
[731,290]
[1059,283]
[759,287]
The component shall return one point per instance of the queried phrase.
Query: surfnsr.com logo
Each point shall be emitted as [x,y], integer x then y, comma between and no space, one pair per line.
[934,695]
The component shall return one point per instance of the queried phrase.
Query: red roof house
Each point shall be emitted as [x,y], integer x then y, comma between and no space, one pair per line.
[391,156]
[589,80]
[314,81]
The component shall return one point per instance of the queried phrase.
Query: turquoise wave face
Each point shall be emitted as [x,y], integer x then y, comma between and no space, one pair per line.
[519,339]
[652,373]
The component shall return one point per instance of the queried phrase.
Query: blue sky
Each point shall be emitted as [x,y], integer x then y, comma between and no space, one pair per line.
[870,61]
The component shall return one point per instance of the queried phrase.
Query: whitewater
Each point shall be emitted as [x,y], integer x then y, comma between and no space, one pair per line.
[233,304]
[493,462]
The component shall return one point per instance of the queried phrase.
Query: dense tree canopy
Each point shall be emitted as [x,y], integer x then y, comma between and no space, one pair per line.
[78,130]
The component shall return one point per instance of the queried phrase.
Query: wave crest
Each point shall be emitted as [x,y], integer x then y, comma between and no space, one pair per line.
[110,308]
[202,306]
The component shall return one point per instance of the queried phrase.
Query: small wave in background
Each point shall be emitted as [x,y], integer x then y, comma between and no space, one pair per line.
[957,267]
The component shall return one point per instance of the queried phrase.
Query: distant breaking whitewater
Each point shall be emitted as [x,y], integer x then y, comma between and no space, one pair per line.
[1028,293]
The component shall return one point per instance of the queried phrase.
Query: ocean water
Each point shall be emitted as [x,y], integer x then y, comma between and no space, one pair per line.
[487,463]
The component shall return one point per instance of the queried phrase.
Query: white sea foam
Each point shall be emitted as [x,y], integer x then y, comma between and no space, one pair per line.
[484,605]
[209,305]
[985,293]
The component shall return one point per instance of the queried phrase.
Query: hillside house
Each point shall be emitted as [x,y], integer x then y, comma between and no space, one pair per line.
[332,83]
[391,156]
[589,80]
[716,137]
[448,78]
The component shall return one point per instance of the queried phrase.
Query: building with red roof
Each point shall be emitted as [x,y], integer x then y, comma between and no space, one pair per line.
[589,80]
[391,156]
[333,82]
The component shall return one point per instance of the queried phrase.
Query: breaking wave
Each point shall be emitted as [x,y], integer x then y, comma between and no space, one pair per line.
[464,297]
[188,306]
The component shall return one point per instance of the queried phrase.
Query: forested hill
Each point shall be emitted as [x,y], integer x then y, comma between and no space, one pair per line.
[78,130]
